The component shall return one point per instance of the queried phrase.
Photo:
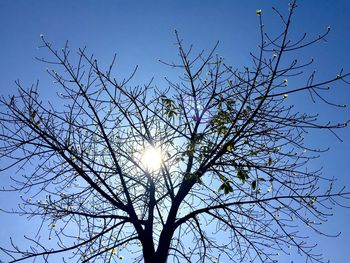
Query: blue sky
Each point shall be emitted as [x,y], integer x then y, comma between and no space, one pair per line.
[141,32]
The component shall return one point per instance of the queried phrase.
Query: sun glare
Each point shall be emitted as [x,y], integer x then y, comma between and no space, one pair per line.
[152,159]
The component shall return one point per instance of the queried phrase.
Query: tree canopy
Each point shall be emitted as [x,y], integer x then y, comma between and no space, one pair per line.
[213,166]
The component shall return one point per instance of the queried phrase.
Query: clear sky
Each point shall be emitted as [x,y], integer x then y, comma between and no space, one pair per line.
[141,32]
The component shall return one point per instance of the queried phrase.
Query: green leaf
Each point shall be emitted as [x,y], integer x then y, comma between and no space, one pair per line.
[269,162]
[170,112]
[313,201]
[170,107]
[226,187]
[222,130]
[221,187]
[253,185]
[222,178]
[242,175]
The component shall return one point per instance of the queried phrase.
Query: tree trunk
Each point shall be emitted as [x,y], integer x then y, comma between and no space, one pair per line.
[155,258]
[159,256]
[150,256]
[164,244]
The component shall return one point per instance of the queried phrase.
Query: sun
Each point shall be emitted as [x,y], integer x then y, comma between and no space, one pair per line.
[152,159]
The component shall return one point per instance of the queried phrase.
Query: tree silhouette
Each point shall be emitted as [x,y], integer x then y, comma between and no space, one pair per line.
[232,159]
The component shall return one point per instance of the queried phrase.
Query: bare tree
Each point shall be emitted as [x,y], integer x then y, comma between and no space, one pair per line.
[167,172]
